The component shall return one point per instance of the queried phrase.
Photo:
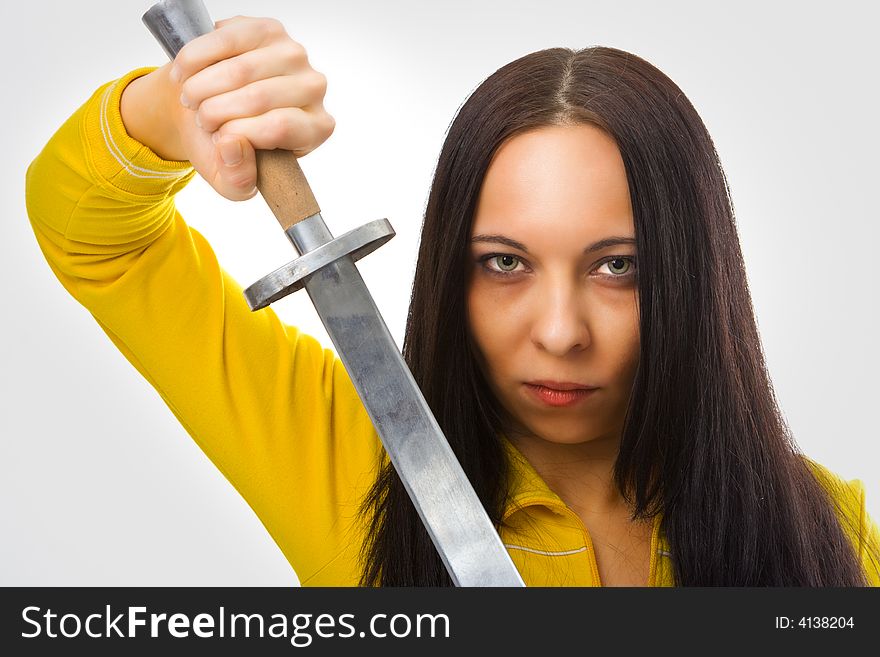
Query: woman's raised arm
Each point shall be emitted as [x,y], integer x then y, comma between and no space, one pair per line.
[274,411]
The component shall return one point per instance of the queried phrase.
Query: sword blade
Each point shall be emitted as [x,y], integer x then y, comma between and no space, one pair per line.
[449,507]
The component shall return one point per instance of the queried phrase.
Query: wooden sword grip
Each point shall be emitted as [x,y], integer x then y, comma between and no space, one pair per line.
[284,187]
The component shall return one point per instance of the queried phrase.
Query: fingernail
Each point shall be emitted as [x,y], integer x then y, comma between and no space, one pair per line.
[184,101]
[231,152]
[215,137]
[174,74]
[198,121]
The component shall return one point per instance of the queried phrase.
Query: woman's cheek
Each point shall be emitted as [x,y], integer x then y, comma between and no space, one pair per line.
[615,325]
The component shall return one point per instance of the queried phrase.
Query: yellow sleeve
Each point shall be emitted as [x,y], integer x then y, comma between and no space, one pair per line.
[849,498]
[275,412]
[869,535]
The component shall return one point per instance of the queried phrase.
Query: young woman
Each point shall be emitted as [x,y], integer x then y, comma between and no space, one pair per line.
[580,325]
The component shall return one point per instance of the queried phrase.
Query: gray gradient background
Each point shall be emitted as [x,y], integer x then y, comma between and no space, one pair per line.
[99,485]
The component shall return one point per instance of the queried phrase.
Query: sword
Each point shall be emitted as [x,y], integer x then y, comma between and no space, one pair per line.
[452,513]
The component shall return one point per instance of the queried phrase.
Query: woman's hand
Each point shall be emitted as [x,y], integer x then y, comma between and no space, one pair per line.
[247,85]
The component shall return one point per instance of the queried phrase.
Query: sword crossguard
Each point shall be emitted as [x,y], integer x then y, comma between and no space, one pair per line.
[293,276]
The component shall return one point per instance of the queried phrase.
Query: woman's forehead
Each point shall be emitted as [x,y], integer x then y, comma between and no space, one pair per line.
[567,180]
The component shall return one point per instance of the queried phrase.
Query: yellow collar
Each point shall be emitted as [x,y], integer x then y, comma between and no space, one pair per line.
[527,488]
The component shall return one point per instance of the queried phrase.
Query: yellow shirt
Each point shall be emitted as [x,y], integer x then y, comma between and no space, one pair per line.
[272,409]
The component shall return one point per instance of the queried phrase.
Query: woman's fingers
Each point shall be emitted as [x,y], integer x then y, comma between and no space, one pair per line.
[290,128]
[285,58]
[247,85]
[232,37]
[304,91]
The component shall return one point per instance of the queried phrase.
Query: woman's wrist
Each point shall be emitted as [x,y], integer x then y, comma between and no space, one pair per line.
[148,107]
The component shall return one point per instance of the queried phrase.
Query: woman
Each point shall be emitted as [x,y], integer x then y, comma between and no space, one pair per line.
[580,325]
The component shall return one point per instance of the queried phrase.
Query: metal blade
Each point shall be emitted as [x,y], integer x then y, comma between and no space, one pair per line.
[441,492]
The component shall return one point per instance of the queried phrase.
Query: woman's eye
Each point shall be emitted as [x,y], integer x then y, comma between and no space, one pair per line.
[503,263]
[617,266]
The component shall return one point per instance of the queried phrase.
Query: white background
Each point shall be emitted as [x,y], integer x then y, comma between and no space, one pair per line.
[99,485]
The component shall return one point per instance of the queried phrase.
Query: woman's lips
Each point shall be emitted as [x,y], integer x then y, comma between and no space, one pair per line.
[553,393]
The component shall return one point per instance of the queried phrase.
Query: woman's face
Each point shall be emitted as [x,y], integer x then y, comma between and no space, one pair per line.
[552,299]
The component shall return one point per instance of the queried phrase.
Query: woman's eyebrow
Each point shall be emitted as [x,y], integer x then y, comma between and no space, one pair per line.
[500,239]
[609,241]
[595,246]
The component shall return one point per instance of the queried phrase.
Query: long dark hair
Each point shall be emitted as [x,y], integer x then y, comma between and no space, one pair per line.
[704,442]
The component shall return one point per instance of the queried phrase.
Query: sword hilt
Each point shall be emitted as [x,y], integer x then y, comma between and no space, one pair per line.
[281,182]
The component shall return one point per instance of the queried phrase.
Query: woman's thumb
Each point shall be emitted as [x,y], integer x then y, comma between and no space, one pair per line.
[236,167]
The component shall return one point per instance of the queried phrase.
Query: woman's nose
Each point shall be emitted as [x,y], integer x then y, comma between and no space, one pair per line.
[560,322]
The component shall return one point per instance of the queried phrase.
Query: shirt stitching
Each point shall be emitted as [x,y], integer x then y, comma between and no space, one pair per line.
[117,153]
[563,553]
